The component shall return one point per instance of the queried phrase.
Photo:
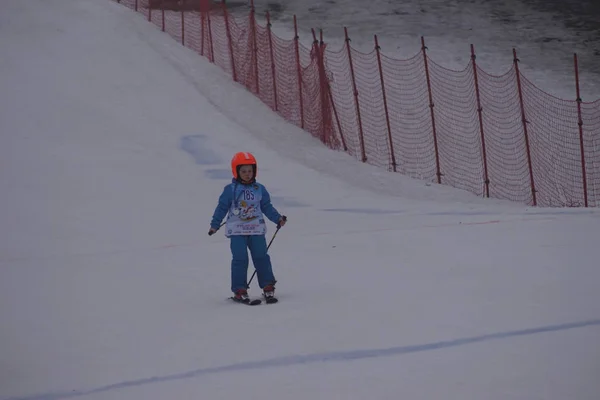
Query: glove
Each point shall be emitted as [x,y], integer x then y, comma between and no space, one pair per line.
[212,231]
[282,221]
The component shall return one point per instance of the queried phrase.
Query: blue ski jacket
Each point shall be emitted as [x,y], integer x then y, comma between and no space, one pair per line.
[244,202]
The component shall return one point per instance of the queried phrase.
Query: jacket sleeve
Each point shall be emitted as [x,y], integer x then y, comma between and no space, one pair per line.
[267,208]
[222,208]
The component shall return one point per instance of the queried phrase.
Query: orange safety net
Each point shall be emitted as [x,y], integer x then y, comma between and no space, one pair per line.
[495,136]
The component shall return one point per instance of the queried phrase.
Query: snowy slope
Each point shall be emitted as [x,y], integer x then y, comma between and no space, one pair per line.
[115,145]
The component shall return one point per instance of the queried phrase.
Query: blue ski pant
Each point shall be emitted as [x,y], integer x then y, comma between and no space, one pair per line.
[239,263]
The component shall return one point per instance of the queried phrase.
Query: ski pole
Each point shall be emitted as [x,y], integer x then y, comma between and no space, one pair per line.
[273,238]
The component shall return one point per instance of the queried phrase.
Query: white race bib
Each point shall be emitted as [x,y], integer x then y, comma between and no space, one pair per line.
[245,216]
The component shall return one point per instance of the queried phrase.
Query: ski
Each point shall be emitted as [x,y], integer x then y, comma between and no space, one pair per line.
[254,302]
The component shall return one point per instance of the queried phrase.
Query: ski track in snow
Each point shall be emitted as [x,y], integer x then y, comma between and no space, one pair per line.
[288,361]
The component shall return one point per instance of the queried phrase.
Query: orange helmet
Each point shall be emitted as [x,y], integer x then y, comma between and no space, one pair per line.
[240,159]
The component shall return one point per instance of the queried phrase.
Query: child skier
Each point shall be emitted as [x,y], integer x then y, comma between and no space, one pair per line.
[244,201]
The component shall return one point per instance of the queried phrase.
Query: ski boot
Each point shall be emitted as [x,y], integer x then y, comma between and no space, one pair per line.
[269,294]
[241,296]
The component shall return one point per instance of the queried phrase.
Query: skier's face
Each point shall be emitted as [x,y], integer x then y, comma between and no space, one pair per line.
[246,173]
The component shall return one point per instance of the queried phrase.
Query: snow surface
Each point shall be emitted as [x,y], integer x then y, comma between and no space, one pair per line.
[115,144]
